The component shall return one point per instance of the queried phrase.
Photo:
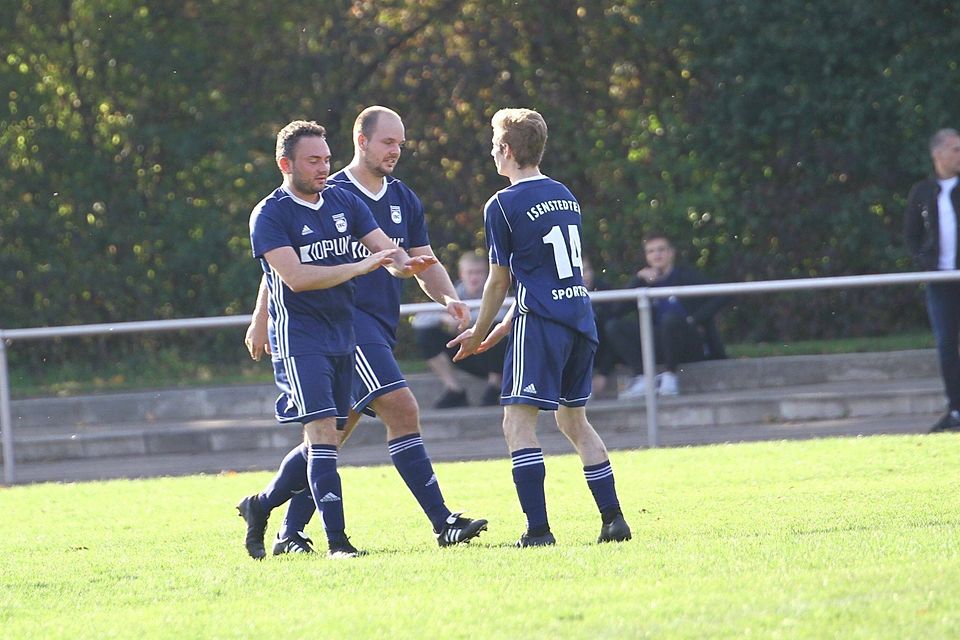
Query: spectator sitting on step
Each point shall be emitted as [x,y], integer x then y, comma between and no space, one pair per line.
[684,330]
[432,331]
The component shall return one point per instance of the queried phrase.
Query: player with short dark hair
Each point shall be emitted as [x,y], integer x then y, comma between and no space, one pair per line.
[378,384]
[302,240]
[533,229]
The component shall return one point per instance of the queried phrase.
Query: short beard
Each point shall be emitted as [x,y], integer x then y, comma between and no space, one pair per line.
[304,186]
[377,169]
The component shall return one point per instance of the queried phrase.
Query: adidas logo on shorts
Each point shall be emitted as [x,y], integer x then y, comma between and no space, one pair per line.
[530,388]
[432,480]
[330,497]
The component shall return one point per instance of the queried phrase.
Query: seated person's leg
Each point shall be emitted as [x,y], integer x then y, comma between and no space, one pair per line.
[677,341]
[432,344]
[623,338]
[492,361]
[603,365]
[623,344]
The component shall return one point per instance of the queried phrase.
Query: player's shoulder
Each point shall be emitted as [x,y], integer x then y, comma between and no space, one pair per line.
[339,179]
[402,190]
[339,194]
[271,202]
[539,182]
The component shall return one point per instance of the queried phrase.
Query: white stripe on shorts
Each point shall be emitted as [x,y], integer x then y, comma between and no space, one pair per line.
[519,335]
[366,372]
[296,391]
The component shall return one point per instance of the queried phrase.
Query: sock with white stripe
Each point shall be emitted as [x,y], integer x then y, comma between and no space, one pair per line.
[290,478]
[529,472]
[325,487]
[300,510]
[413,464]
[600,480]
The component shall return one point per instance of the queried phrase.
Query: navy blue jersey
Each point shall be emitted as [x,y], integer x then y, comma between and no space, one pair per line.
[398,211]
[320,321]
[533,227]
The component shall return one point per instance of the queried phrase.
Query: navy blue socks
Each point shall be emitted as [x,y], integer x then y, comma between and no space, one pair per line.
[529,472]
[413,464]
[326,488]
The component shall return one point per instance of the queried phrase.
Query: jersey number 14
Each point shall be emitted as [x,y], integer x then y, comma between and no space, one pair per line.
[566,257]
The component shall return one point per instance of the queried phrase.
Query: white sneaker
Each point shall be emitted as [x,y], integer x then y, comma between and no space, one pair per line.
[668,384]
[636,389]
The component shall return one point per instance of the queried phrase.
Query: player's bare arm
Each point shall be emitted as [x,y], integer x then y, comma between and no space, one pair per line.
[402,266]
[256,339]
[500,331]
[308,277]
[494,292]
[436,283]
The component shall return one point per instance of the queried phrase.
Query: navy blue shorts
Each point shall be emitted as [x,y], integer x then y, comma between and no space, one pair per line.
[376,372]
[547,365]
[312,387]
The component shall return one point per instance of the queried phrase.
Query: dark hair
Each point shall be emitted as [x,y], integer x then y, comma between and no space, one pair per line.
[657,235]
[289,136]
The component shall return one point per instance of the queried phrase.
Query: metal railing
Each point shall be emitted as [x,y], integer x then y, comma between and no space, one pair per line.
[643,296]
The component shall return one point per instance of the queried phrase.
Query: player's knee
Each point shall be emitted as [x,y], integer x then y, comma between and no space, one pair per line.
[520,426]
[399,412]
[323,431]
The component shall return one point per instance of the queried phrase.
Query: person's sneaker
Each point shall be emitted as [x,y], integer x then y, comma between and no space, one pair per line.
[298,542]
[617,530]
[950,421]
[490,397]
[668,384]
[527,540]
[452,399]
[458,529]
[636,389]
[256,519]
[341,548]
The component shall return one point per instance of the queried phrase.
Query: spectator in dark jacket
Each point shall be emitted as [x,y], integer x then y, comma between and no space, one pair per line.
[931,231]
[684,330]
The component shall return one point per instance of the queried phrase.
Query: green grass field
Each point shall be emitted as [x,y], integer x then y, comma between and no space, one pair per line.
[839,538]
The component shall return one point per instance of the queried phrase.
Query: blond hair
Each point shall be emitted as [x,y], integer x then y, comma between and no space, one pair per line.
[524,131]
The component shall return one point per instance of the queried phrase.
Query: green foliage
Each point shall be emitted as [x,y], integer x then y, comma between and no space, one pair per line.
[834,538]
[773,141]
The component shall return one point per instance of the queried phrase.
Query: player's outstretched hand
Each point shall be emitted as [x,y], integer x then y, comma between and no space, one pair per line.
[460,312]
[497,334]
[468,342]
[256,339]
[376,260]
[417,264]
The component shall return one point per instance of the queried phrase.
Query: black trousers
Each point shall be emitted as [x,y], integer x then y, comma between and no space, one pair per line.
[433,340]
[674,341]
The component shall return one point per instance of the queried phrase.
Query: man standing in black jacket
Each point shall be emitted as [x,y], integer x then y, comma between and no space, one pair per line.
[931,230]
[683,327]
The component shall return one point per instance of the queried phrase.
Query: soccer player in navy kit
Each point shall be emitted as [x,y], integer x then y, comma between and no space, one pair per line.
[533,231]
[302,238]
[378,382]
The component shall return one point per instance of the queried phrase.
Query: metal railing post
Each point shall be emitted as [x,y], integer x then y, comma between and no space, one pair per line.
[649,367]
[6,422]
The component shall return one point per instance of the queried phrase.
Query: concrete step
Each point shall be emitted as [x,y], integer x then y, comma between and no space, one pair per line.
[807,404]
[249,402]
[479,448]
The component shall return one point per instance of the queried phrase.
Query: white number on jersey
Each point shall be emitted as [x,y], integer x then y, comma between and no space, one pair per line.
[565,258]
